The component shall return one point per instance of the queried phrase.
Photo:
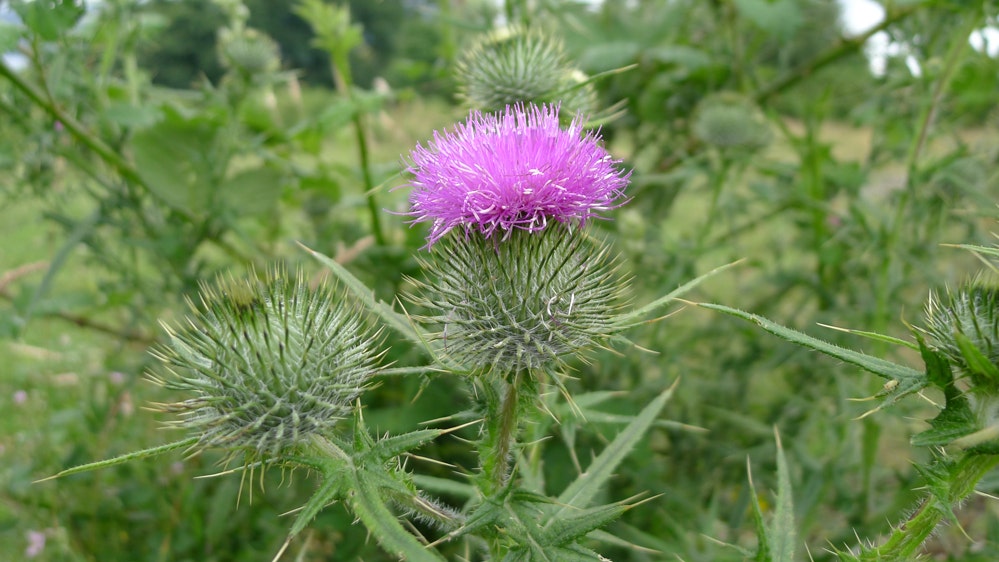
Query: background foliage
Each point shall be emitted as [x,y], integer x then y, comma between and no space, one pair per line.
[137,161]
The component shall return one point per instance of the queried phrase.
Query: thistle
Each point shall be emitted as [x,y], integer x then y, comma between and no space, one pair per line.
[517,65]
[964,327]
[248,52]
[515,170]
[524,305]
[269,364]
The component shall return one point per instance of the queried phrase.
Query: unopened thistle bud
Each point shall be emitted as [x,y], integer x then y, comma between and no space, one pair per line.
[248,51]
[729,121]
[268,363]
[964,326]
[525,304]
[514,65]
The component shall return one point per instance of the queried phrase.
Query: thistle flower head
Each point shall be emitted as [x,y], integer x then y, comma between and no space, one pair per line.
[964,326]
[517,65]
[525,305]
[518,169]
[268,365]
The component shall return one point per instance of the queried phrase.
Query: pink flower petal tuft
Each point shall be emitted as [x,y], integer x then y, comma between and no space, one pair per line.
[515,169]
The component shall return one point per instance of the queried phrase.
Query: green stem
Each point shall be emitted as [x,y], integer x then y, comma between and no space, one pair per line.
[74,127]
[907,537]
[344,79]
[842,48]
[501,433]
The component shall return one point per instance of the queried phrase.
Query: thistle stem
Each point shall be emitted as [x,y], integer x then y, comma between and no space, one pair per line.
[908,536]
[501,428]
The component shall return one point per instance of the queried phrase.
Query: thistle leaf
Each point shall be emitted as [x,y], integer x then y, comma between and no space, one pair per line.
[562,531]
[122,459]
[582,490]
[782,531]
[908,379]
[398,322]
[332,489]
[673,295]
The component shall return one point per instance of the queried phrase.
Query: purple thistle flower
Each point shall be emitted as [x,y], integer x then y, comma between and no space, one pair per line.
[515,169]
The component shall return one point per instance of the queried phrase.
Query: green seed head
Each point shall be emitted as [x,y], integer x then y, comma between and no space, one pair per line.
[964,326]
[515,65]
[728,121]
[267,363]
[524,303]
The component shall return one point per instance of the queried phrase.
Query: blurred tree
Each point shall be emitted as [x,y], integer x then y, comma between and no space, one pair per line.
[180,47]
[403,41]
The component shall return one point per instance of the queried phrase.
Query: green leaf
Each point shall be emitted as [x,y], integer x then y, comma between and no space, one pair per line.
[369,507]
[366,296]
[780,18]
[127,115]
[908,380]
[10,36]
[956,419]
[977,362]
[582,490]
[391,447]
[174,158]
[563,530]
[782,531]
[122,459]
[673,295]
[762,538]
[251,192]
[49,19]
[334,486]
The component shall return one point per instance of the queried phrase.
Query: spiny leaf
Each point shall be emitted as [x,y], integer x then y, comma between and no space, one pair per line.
[369,507]
[143,454]
[365,295]
[763,546]
[332,488]
[662,301]
[572,528]
[581,491]
[782,532]
[909,380]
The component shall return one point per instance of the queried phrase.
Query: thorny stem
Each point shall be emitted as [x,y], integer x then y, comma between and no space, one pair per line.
[501,432]
[907,537]
[72,125]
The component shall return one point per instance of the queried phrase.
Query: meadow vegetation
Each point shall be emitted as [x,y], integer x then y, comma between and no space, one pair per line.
[146,151]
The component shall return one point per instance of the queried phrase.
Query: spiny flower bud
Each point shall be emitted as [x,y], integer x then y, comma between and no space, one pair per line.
[248,51]
[514,65]
[269,364]
[526,303]
[728,121]
[968,317]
